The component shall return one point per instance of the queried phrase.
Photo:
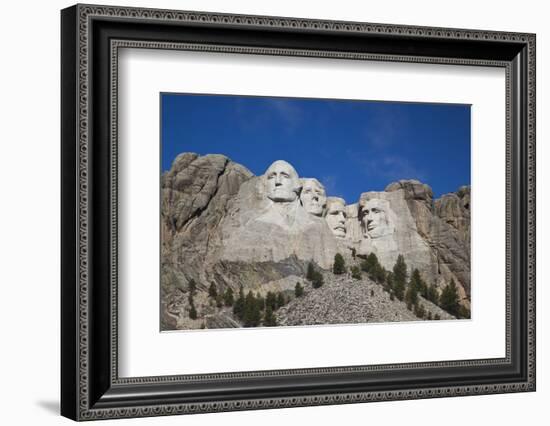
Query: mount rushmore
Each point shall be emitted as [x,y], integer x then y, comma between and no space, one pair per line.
[226,231]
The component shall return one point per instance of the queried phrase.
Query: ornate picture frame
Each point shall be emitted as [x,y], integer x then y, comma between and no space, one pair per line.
[91,387]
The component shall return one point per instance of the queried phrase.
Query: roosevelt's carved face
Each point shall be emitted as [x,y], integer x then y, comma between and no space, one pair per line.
[313,196]
[336,216]
[374,218]
[283,184]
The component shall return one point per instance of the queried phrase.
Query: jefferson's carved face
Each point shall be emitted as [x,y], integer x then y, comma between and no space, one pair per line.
[336,216]
[283,184]
[313,196]
[374,218]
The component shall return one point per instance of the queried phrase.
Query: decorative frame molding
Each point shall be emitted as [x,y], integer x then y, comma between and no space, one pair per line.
[91,37]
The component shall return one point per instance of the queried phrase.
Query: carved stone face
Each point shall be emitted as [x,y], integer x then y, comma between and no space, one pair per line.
[313,196]
[374,218]
[282,182]
[336,216]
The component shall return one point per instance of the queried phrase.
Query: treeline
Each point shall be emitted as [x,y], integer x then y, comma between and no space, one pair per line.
[253,309]
[396,284]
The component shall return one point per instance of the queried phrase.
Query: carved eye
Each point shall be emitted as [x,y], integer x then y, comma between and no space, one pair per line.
[271,176]
[285,175]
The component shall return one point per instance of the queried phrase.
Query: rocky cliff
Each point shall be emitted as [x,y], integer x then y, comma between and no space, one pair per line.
[222,226]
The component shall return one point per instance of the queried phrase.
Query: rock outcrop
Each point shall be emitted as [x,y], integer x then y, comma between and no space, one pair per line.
[395,232]
[222,225]
[257,229]
[195,194]
[444,227]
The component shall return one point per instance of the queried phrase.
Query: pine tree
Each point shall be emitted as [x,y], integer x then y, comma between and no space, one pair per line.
[193,313]
[310,271]
[378,273]
[433,294]
[389,281]
[400,269]
[228,297]
[449,298]
[416,281]
[399,277]
[238,307]
[411,296]
[280,299]
[318,280]
[260,301]
[355,272]
[269,318]
[416,286]
[298,290]
[339,266]
[372,261]
[192,286]
[252,314]
[212,291]
[271,301]
[219,301]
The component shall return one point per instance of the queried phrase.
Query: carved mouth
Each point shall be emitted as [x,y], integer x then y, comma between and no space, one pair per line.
[279,189]
[340,228]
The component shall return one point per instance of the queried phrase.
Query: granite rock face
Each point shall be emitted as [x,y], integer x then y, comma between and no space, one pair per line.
[195,194]
[395,232]
[222,225]
[257,229]
[444,225]
[454,209]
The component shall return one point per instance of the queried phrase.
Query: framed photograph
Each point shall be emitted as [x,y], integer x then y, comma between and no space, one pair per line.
[263,212]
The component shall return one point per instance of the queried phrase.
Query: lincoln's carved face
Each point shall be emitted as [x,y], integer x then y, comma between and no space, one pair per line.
[336,216]
[374,218]
[313,196]
[283,184]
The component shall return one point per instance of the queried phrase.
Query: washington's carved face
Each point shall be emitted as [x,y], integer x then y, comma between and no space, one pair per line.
[336,216]
[283,184]
[313,196]
[374,218]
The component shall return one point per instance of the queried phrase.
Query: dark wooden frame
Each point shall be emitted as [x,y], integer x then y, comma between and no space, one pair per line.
[90,386]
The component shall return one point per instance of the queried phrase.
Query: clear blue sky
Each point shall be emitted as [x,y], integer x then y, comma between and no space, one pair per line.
[350,146]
